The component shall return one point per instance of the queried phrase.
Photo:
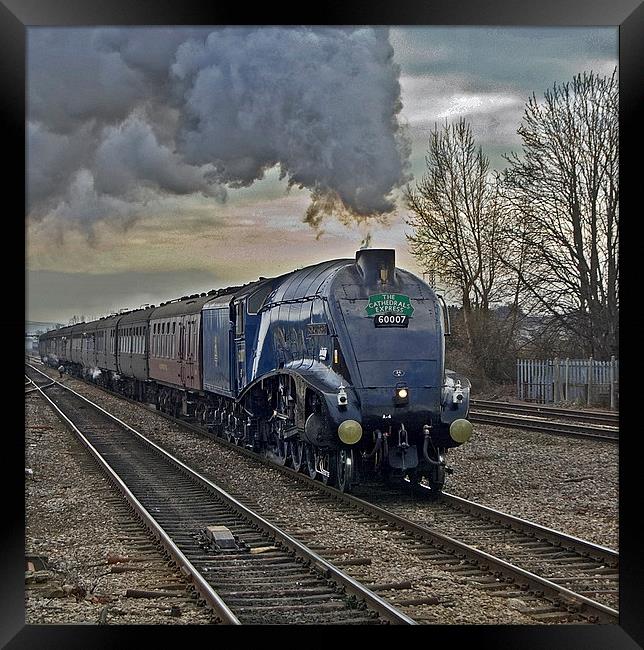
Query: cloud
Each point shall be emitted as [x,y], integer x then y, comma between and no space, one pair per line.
[129,157]
[60,295]
[494,113]
[193,110]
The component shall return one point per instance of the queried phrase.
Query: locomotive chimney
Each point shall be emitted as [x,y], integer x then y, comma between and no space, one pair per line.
[376,265]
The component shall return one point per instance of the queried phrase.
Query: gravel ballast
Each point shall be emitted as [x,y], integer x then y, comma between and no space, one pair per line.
[474,464]
[564,483]
[94,549]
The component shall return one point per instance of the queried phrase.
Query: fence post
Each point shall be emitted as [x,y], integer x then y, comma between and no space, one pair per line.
[612,382]
[589,379]
[566,378]
[557,382]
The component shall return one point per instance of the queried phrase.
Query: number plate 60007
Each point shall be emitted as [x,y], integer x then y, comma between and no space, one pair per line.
[391,320]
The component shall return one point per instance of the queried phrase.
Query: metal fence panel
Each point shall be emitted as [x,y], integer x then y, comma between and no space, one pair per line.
[580,381]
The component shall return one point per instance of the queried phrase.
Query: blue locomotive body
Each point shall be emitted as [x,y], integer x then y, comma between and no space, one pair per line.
[346,356]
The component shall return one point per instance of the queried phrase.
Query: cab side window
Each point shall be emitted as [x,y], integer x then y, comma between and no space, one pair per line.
[239,319]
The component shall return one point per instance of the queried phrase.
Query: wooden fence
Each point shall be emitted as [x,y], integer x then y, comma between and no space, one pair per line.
[581,381]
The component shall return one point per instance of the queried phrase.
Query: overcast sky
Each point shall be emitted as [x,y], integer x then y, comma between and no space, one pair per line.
[170,161]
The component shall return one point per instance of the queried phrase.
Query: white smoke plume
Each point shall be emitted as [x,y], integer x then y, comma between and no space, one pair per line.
[118,116]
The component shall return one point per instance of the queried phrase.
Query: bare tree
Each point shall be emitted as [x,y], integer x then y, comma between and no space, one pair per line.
[561,196]
[457,225]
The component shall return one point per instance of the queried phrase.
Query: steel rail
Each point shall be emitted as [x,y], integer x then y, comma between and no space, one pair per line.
[599,611]
[385,609]
[544,532]
[610,418]
[205,590]
[545,426]
[515,573]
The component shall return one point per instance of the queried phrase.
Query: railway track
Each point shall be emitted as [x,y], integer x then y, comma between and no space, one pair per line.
[607,418]
[551,573]
[588,569]
[245,568]
[526,418]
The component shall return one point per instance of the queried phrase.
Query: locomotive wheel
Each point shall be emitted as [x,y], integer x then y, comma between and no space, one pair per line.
[344,469]
[326,464]
[309,458]
[298,457]
[282,449]
[415,478]
[436,479]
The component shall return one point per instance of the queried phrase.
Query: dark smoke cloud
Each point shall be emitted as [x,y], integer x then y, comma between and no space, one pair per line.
[119,115]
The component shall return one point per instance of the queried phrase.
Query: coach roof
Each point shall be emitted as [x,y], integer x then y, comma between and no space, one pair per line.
[181,307]
[136,316]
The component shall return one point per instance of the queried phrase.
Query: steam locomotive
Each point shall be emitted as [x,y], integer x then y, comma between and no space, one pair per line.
[336,369]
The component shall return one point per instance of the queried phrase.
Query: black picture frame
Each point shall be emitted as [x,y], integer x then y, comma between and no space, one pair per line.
[17,15]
